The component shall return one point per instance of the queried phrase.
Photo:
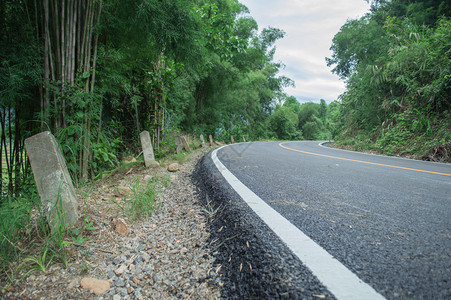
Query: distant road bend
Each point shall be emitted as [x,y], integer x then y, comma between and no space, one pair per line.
[367,226]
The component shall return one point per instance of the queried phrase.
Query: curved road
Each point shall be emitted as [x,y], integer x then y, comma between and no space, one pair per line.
[386,220]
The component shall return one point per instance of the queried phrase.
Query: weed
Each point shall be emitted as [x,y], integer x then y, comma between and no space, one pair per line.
[15,216]
[209,209]
[180,157]
[166,181]
[38,263]
[12,275]
[140,202]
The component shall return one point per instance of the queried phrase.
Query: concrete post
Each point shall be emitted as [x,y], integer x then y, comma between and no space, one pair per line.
[53,181]
[146,144]
[178,144]
[244,140]
[202,140]
[211,140]
[232,139]
[185,143]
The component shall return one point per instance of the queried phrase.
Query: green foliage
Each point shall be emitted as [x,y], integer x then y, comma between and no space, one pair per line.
[140,202]
[398,82]
[15,215]
[310,121]
[38,263]
[283,122]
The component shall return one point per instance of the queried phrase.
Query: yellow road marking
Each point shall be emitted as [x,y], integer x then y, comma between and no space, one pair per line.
[364,162]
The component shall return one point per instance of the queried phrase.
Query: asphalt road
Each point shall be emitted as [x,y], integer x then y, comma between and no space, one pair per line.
[387,220]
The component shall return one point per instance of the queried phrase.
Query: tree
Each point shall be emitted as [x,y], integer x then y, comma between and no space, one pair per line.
[282,123]
[395,67]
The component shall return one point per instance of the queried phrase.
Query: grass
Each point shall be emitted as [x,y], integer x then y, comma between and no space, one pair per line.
[140,201]
[209,209]
[404,139]
[28,244]
[39,263]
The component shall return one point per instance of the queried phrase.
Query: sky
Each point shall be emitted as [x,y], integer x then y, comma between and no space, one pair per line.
[309,26]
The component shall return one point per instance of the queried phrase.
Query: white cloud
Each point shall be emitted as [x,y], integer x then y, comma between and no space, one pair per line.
[310,26]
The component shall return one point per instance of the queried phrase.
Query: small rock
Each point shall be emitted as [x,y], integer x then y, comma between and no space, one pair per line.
[121,270]
[130,290]
[96,286]
[154,164]
[116,297]
[135,280]
[72,284]
[129,160]
[120,226]
[119,283]
[174,167]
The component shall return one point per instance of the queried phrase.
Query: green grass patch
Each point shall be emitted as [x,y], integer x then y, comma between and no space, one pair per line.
[140,201]
[411,136]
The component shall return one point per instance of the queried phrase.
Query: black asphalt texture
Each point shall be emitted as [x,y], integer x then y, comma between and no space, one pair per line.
[389,226]
[255,264]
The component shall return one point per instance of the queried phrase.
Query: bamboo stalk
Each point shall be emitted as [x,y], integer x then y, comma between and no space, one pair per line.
[73,48]
[79,30]
[2,121]
[11,161]
[95,49]
[45,103]
[17,137]
[36,19]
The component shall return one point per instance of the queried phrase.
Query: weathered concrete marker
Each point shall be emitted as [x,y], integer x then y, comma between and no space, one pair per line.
[178,144]
[244,140]
[211,140]
[146,144]
[202,140]
[185,143]
[52,179]
[232,139]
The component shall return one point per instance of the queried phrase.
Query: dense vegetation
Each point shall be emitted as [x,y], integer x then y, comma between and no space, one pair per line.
[396,62]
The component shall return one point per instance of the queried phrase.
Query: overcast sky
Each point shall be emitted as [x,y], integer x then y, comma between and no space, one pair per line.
[309,27]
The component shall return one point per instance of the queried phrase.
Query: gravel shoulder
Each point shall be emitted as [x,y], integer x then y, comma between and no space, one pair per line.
[165,257]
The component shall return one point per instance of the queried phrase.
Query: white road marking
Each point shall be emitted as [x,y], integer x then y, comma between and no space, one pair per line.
[338,279]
